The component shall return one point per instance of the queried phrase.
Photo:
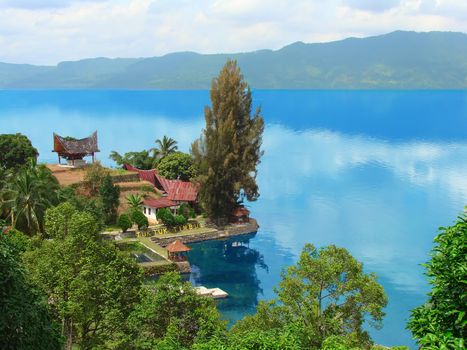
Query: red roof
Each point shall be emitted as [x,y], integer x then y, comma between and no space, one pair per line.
[177,246]
[159,203]
[241,211]
[183,191]
[146,175]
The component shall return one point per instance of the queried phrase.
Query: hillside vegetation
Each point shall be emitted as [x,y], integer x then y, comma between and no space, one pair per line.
[398,60]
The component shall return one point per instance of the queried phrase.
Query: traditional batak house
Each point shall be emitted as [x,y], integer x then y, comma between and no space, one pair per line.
[175,192]
[74,150]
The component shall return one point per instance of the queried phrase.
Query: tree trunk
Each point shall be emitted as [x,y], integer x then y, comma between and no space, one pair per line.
[68,333]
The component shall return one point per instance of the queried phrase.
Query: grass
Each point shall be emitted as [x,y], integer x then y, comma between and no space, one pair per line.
[113,227]
[115,172]
[131,247]
[156,247]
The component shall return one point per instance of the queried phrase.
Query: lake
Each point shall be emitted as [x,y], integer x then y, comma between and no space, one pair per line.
[376,172]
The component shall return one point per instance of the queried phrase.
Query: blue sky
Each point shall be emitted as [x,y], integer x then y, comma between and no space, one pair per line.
[50,31]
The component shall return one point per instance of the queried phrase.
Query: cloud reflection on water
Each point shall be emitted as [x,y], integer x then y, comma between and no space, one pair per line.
[383,200]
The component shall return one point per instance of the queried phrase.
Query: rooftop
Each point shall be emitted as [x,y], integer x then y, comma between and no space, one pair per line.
[177,247]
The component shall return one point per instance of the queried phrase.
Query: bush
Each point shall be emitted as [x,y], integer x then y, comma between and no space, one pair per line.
[187,211]
[180,220]
[139,219]
[166,216]
[94,177]
[124,222]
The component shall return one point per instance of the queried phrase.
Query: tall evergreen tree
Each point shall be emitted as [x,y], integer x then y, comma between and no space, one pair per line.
[229,149]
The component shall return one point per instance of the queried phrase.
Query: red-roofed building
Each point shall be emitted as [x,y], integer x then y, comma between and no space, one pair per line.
[175,190]
[151,205]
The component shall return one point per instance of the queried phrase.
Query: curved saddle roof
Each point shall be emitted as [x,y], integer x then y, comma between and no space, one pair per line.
[69,146]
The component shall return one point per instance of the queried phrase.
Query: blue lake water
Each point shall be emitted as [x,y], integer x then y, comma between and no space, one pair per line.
[376,172]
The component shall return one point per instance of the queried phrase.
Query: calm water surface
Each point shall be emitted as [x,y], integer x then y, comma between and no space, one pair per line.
[376,172]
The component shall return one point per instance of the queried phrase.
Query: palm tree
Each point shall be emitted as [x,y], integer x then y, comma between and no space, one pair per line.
[26,196]
[166,146]
[135,201]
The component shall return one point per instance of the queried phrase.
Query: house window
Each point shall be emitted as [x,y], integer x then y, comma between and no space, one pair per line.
[149,211]
[144,210]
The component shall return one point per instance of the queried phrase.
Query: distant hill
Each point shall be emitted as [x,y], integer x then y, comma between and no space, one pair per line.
[398,60]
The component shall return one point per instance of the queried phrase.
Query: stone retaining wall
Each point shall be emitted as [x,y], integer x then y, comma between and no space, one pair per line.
[133,177]
[231,231]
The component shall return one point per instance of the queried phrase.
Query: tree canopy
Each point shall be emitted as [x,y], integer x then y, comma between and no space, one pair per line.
[177,165]
[27,194]
[171,313]
[441,323]
[228,151]
[25,319]
[93,286]
[325,294]
[140,160]
[15,151]
[164,147]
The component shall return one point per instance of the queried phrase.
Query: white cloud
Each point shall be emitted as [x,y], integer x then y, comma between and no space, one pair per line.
[55,30]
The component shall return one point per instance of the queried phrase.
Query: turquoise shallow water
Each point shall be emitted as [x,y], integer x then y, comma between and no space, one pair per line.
[376,172]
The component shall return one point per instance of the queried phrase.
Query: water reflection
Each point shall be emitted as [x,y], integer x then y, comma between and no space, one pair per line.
[374,172]
[232,266]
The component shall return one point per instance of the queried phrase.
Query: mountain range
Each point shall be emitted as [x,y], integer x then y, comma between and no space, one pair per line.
[398,60]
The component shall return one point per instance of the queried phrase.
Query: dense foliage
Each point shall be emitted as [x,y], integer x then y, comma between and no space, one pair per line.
[109,194]
[172,316]
[26,194]
[135,201]
[140,160]
[177,166]
[186,210]
[441,323]
[124,222]
[228,151]
[25,319]
[147,159]
[326,294]
[93,286]
[94,177]
[15,150]
[138,218]
[398,60]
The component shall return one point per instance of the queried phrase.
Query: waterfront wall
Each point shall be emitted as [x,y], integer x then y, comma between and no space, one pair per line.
[210,234]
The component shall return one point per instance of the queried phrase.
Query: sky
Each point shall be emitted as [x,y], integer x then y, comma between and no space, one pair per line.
[51,31]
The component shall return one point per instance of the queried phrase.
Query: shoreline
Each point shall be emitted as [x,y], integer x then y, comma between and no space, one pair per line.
[157,244]
[209,234]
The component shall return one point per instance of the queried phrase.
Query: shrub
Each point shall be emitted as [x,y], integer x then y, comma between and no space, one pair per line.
[187,211]
[139,219]
[124,222]
[166,216]
[180,220]
[94,177]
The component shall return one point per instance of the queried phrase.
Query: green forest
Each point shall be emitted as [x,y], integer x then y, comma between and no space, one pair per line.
[398,60]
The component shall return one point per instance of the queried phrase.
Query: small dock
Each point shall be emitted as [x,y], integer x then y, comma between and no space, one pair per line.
[215,293]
